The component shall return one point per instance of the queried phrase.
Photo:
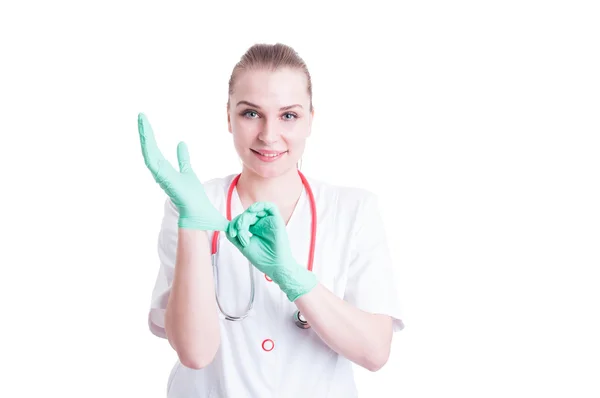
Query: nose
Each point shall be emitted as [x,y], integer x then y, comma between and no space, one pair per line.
[269,133]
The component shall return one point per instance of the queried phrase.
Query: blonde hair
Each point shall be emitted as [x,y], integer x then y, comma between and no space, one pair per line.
[270,57]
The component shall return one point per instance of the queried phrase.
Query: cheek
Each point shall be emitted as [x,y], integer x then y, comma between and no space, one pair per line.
[297,133]
[244,131]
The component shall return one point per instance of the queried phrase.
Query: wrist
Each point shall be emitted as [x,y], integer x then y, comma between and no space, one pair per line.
[191,222]
[202,223]
[294,281]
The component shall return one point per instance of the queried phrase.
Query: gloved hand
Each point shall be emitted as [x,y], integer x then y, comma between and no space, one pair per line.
[183,187]
[268,248]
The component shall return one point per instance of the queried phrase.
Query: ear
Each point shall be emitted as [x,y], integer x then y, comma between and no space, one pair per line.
[312,116]
[228,118]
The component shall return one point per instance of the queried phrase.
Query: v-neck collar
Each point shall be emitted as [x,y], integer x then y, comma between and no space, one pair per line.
[237,207]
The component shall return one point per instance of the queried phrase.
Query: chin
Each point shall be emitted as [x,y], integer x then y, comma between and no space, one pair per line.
[271,170]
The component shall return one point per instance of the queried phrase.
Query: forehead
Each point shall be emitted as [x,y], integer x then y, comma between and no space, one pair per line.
[272,88]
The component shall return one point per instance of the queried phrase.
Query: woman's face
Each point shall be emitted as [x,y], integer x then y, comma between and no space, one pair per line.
[270,118]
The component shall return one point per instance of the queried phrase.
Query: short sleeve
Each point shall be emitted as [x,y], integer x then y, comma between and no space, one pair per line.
[167,252]
[371,284]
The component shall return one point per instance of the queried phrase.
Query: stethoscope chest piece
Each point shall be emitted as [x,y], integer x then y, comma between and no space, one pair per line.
[300,321]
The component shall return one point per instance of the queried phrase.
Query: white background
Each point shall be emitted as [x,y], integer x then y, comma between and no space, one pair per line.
[476,122]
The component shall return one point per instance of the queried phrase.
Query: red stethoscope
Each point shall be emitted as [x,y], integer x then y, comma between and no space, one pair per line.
[298,318]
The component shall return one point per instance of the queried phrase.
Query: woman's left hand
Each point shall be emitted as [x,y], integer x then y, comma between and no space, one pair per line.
[261,236]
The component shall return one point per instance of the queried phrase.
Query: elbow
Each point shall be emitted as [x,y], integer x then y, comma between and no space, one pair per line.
[376,363]
[377,359]
[379,352]
[376,366]
[194,356]
[197,361]
[195,353]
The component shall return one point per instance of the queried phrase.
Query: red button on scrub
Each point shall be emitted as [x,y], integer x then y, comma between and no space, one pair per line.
[268,279]
[268,345]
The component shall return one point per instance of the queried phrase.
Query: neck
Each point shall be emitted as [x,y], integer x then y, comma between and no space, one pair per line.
[283,190]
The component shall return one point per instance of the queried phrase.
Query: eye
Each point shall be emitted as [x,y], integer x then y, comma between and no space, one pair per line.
[292,116]
[250,114]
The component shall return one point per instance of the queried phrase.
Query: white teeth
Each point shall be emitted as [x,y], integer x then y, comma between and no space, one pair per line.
[270,155]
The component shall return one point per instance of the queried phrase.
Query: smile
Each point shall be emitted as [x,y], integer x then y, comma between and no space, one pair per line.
[268,156]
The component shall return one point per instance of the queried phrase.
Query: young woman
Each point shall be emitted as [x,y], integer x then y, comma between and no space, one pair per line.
[302,284]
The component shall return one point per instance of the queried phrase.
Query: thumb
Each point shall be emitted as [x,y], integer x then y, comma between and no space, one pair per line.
[231,233]
[183,156]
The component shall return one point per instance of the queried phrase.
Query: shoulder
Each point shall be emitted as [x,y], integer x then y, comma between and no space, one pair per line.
[346,209]
[217,187]
[343,197]
[351,213]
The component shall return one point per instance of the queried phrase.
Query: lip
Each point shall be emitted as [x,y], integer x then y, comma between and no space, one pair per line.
[267,151]
[268,159]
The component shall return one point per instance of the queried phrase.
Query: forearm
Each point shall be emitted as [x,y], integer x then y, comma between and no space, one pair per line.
[363,338]
[191,319]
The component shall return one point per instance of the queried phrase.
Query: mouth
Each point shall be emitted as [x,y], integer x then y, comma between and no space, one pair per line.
[268,156]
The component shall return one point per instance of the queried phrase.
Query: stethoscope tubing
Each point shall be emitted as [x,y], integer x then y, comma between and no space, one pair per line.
[299,320]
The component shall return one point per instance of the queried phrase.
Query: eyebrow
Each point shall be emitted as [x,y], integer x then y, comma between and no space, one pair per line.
[284,108]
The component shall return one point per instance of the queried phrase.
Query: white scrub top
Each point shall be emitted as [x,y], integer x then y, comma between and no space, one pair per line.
[266,354]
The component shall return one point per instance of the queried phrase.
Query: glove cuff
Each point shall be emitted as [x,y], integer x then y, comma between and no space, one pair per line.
[202,224]
[295,282]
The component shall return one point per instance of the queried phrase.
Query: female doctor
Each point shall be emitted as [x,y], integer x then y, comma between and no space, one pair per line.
[271,283]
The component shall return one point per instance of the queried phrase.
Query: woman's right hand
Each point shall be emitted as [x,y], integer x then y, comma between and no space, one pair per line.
[183,187]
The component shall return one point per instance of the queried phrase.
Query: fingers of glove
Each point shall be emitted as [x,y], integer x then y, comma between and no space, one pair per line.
[245,220]
[231,234]
[231,231]
[154,159]
[264,227]
[242,225]
[147,141]
[183,157]
[271,209]
[257,207]
[243,237]
[264,209]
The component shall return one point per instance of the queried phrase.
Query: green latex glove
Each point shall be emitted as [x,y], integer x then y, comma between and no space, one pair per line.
[268,248]
[183,187]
